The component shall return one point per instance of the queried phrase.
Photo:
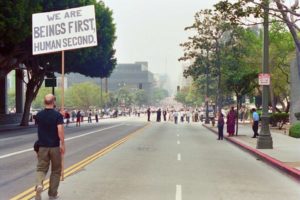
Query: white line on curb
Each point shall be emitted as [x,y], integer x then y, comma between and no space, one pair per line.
[178,192]
[71,138]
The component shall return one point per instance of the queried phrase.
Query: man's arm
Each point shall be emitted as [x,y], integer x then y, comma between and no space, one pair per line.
[61,135]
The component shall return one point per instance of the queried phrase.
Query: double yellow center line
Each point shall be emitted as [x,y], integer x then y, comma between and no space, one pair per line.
[30,193]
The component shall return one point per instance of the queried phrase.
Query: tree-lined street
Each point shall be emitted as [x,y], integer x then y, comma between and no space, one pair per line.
[150,131]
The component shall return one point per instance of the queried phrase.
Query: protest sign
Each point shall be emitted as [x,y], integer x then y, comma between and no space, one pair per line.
[64,30]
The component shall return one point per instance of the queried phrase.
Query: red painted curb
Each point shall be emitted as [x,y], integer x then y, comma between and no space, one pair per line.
[268,159]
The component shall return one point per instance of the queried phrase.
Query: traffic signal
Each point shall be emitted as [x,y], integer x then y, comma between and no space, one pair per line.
[178,88]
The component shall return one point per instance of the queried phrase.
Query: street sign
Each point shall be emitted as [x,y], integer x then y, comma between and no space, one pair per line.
[64,30]
[50,82]
[264,79]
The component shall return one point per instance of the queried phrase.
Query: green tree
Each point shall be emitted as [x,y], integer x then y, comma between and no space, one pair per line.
[159,94]
[204,48]
[190,96]
[85,95]
[125,96]
[239,72]
[282,50]
[140,97]
[241,11]
[95,62]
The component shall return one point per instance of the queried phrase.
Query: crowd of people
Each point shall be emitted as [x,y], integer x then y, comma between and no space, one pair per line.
[171,114]
[223,118]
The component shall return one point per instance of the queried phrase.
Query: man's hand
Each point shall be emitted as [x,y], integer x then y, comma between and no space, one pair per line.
[62,149]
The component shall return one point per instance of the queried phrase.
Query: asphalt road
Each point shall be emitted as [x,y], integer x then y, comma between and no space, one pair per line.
[165,161]
[18,160]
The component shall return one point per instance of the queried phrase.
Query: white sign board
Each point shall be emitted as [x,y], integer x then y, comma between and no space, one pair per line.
[264,79]
[64,30]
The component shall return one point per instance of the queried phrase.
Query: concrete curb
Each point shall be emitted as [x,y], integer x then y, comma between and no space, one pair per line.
[264,157]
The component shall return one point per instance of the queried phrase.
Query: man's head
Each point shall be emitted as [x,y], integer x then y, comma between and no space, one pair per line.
[49,101]
[253,110]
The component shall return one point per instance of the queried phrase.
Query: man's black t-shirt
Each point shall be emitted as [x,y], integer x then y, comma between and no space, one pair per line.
[47,121]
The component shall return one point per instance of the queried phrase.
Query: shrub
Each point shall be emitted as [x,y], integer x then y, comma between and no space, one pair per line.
[297,115]
[279,119]
[295,130]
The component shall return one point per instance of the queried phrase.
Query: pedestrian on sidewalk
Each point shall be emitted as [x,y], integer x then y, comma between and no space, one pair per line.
[78,118]
[220,125]
[90,116]
[158,115]
[96,116]
[51,147]
[188,116]
[231,117]
[148,114]
[255,121]
[175,115]
[165,114]
[67,116]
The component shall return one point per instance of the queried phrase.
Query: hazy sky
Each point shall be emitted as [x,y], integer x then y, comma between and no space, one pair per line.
[151,30]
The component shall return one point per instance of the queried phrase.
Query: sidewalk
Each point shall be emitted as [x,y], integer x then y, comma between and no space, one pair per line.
[285,154]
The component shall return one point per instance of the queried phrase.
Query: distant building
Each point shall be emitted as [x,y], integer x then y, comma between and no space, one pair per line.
[134,76]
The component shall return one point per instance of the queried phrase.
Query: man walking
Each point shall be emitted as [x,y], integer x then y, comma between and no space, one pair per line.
[175,115]
[148,114]
[255,121]
[51,147]
[90,116]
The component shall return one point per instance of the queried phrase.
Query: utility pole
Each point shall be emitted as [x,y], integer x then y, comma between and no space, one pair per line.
[264,140]
[101,93]
[206,96]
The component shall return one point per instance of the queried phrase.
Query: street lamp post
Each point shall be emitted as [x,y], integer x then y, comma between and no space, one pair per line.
[265,140]
[101,93]
[206,96]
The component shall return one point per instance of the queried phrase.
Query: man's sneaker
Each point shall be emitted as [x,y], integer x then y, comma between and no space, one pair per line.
[53,197]
[38,192]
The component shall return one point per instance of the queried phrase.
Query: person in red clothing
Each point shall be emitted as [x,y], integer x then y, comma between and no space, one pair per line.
[231,118]
[67,116]
[78,118]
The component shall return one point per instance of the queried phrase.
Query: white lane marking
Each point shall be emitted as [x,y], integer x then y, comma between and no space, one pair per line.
[177,135]
[179,157]
[178,142]
[71,138]
[178,192]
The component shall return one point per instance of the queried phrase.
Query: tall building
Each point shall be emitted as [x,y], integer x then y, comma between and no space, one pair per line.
[134,76]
